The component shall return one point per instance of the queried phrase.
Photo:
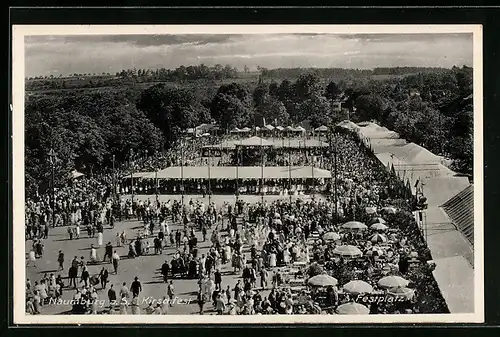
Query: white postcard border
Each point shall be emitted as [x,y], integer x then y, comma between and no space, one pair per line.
[18,193]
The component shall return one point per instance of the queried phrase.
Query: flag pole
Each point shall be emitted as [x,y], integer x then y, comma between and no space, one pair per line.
[209,172]
[289,171]
[262,171]
[182,174]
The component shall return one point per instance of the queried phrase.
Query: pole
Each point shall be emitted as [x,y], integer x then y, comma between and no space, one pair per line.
[53,190]
[262,171]
[156,183]
[182,175]
[209,175]
[335,173]
[114,179]
[289,171]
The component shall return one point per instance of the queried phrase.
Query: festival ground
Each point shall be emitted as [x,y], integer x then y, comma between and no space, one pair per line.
[147,268]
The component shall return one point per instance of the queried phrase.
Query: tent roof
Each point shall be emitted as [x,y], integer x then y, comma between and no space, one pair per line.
[300,128]
[254,141]
[441,189]
[269,127]
[321,128]
[235,130]
[348,125]
[242,172]
[75,174]
[277,143]
[246,129]
[280,128]
[414,153]
[138,175]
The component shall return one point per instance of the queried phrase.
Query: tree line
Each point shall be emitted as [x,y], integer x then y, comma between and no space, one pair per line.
[87,128]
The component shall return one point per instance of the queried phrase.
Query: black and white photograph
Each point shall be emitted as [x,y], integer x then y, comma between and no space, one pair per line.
[247,174]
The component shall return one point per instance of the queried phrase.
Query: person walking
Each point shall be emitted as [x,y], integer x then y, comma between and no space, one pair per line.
[85,276]
[103,277]
[111,297]
[115,260]
[165,269]
[170,292]
[136,287]
[60,260]
[124,292]
[108,252]
[218,280]
[201,300]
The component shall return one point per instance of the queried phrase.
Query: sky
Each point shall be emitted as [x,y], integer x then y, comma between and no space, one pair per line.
[55,55]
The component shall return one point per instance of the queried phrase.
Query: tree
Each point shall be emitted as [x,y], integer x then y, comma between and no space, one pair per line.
[259,94]
[231,106]
[318,110]
[172,110]
[272,110]
[306,86]
[274,89]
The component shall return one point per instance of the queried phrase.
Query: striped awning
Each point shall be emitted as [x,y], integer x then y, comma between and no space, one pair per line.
[460,209]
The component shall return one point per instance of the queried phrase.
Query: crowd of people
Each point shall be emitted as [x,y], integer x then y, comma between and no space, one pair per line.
[277,247]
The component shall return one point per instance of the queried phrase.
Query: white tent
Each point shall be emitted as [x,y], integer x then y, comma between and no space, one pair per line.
[75,174]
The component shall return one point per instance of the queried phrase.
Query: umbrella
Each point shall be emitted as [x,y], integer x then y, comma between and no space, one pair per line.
[378,227]
[389,210]
[393,281]
[352,308]
[322,280]
[277,221]
[277,215]
[357,287]
[331,236]
[354,225]
[377,220]
[402,291]
[347,250]
[371,210]
[378,238]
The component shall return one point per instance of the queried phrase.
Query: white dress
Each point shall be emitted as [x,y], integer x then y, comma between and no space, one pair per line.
[93,254]
[286,256]
[272,260]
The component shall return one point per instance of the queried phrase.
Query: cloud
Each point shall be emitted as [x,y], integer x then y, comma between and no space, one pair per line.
[111,53]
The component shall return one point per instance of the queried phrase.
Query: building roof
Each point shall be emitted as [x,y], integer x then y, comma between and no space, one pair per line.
[242,172]
[460,209]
